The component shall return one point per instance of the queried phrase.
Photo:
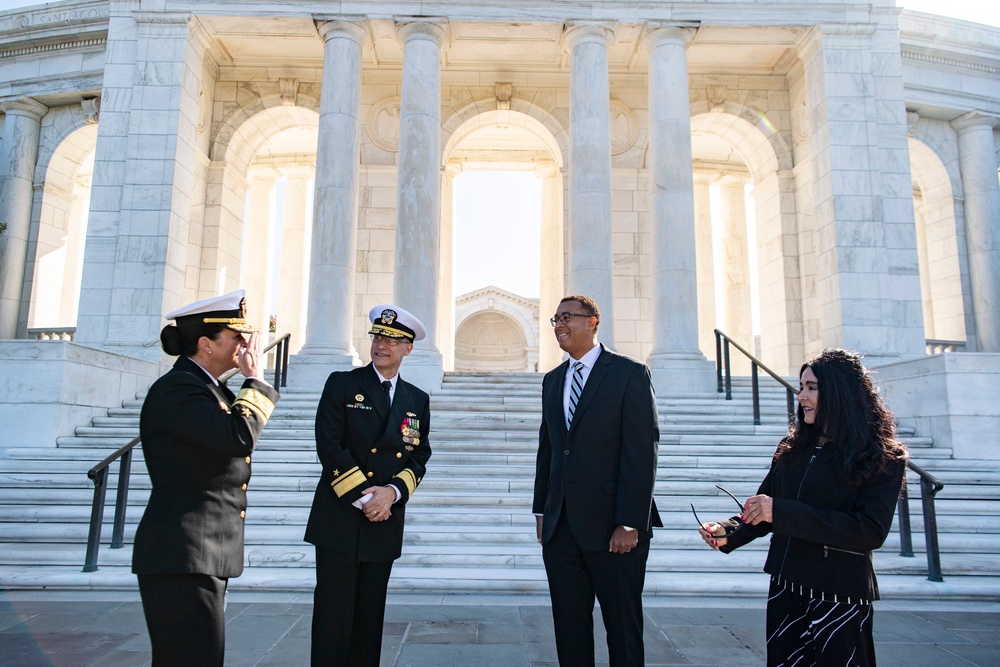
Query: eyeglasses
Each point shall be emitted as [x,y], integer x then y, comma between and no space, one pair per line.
[565,317]
[385,340]
[728,532]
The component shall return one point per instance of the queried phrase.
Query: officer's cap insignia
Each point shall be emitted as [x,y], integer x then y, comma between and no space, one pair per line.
[359,397]
[243,308]
[388,316]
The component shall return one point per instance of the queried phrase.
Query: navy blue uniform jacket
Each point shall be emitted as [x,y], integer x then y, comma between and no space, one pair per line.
[360,444]
[197,439]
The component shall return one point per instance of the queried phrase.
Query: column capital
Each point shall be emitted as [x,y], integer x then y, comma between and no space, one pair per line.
[23,105]
[429,29]
[291,171]
[262,175]
[973,120]
[351,27]
[676,32]
[582,32]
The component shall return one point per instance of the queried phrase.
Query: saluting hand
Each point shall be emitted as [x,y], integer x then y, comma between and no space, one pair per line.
[248,356]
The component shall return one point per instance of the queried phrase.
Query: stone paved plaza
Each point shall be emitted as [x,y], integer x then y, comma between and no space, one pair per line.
[81,629]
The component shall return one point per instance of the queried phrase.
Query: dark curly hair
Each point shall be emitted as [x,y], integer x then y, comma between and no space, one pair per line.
[850,415]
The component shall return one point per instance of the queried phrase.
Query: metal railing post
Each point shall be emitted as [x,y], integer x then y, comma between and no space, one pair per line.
[729,377]
[927,491]
[121,501]
[718,361]
[790,396]
[96,519]
[754,383]
[905,536]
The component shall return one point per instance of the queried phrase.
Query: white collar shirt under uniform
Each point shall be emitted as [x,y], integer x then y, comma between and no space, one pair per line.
[588,360]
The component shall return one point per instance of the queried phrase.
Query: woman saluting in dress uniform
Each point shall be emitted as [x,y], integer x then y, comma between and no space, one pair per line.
[828,501]
[197,438]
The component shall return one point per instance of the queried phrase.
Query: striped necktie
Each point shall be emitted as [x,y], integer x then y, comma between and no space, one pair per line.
[575,390]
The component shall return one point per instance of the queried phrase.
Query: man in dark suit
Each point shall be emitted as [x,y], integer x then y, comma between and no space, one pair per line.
[197,438]
[594,478]
[371,435]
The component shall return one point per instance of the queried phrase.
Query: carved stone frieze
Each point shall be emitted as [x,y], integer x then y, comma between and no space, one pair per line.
[91,110]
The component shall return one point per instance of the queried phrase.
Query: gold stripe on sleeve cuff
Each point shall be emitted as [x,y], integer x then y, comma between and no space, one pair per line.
[347,482]
[407,477]
[256,401]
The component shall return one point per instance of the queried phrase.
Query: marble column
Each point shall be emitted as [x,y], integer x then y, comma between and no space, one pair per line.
[737,323]
[676,359]
[591,262]
[259,250]
[446,285]
[18,155]
[110,157]
[418,192]
[551,269]
[978,165]
[292,288]
[335,208]
[705,262]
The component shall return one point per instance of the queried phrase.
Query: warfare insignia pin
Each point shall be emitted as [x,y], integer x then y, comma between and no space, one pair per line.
[359,397]
[410,414]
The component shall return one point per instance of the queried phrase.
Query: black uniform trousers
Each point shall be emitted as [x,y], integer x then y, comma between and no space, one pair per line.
[805,631]
[575,577]
[348,610]
[185,617]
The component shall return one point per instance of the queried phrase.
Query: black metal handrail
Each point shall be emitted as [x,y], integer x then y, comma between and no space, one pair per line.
[724,382]
[99,473]
[929,487]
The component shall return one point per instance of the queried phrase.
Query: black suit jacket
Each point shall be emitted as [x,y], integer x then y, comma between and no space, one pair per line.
[197,439]
[602,470]
[360,442]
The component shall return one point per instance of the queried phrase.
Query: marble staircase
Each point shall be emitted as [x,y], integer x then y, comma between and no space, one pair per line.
[469,526]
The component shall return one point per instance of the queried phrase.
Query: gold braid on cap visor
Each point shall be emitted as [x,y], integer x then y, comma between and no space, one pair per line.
[391,333]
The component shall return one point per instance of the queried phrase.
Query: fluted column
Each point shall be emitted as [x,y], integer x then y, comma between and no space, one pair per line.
[335,207]
[418,192]
[738,323]
[18,155]
[675,292]
[705,263]
[551,269]
[978,165]
[259,250]
[591,263]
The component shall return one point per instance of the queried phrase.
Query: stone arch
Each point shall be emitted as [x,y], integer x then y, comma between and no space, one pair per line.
[481,113]
[944,276]
[238,138]
[63,173]
[760,147]
[496,331]
[490,341]
[553,135]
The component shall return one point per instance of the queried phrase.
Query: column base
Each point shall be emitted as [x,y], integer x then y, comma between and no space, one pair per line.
[423,368]
[310,371]
[682,373]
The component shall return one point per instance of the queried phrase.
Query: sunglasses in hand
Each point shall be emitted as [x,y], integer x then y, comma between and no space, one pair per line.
[739,519]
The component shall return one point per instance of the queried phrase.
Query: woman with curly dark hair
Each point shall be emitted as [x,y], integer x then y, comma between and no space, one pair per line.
[828,500]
